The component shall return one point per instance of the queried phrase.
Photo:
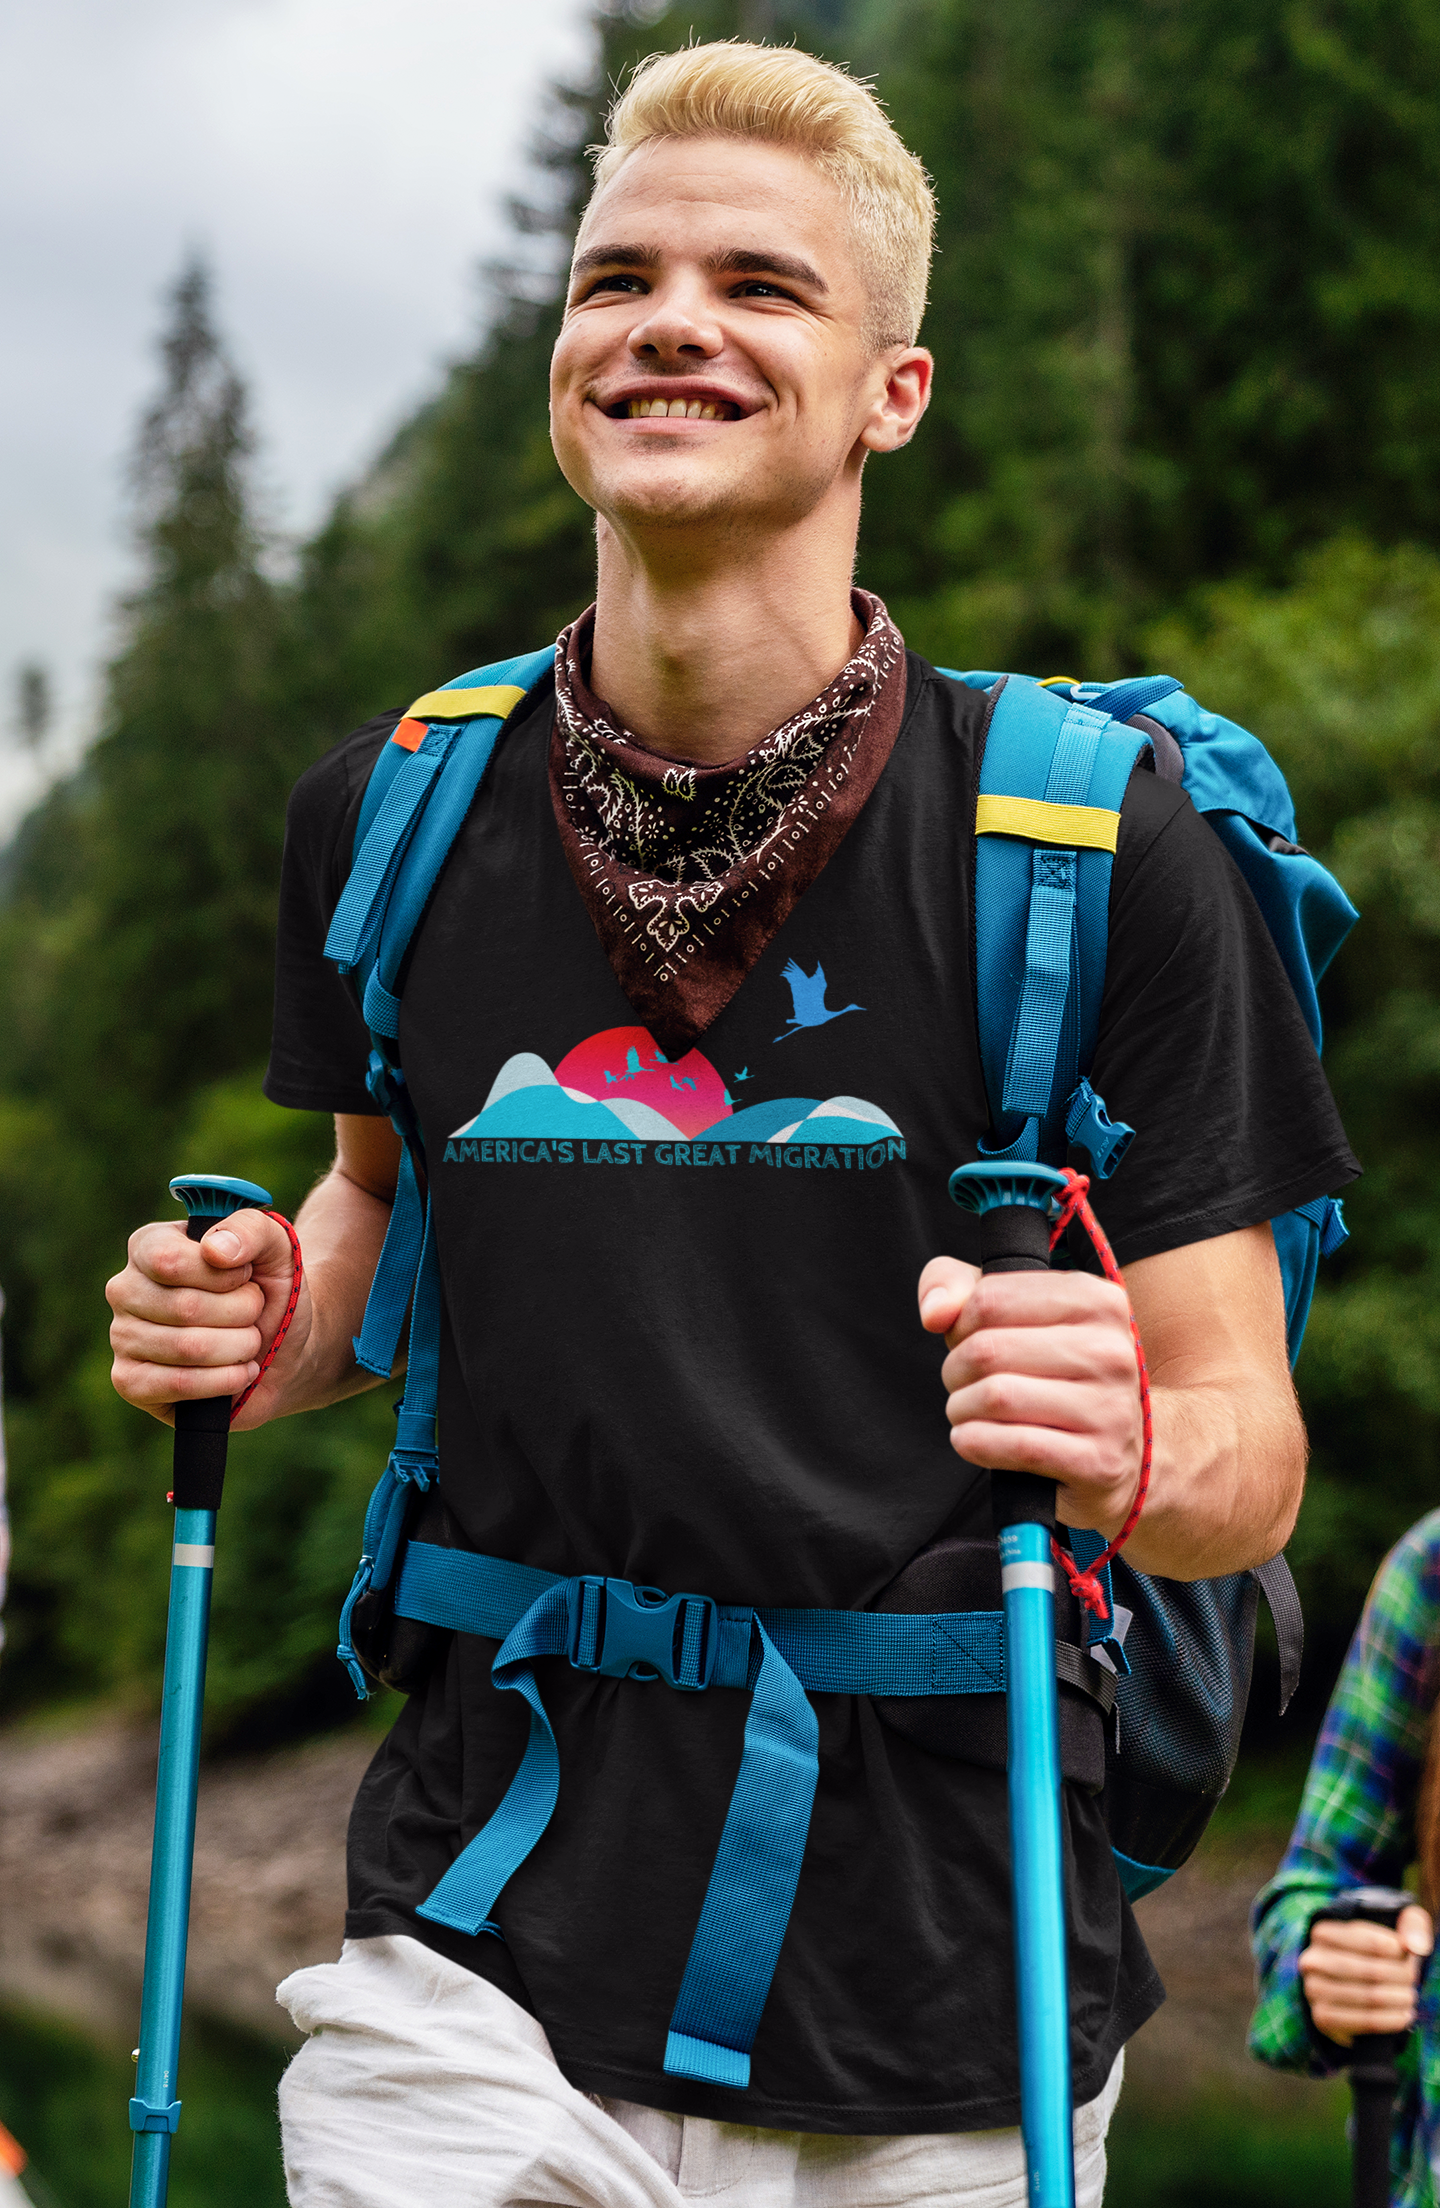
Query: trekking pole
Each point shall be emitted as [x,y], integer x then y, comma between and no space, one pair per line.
[1371,2056]
[1016,1204]
[201,1433]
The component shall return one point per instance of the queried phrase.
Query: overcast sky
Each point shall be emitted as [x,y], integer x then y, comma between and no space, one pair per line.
[342,165]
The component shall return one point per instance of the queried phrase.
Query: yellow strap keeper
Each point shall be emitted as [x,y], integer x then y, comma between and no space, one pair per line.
[465,705]
[1080,827]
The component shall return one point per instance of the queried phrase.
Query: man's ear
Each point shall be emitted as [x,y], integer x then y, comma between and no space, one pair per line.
[900,400]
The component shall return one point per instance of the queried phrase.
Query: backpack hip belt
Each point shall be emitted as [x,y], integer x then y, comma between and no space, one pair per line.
[618,1630]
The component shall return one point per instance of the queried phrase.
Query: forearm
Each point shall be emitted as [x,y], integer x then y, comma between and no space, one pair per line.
[1226,1478]
[1228,1467]
[341,1226]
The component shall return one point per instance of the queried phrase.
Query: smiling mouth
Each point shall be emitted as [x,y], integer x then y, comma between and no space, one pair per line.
[675,410]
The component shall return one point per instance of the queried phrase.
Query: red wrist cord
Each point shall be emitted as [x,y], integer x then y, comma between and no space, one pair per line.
[297,1275]
[1086,1585]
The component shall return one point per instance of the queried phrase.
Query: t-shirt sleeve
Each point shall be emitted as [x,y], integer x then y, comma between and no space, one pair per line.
[1202,1047]
[319,1046]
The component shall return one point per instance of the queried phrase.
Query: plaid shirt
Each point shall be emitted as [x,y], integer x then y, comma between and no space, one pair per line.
[1357,1828]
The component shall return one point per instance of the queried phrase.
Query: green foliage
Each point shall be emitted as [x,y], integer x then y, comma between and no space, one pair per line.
[1250,2151]
[1184,311]
[65,2096]
[136,949]
[1184,306]
[137,935]
[1342,674]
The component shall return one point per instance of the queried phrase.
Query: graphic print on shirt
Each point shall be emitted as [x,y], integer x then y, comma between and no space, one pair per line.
[807,997]
[616,1099]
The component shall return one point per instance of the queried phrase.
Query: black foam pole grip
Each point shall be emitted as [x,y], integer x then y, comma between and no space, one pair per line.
[1015,1238]
[1372,2087]
[1371,2060]
[202,1435]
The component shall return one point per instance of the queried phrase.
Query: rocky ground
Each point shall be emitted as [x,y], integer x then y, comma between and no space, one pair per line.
[75,1810]
[75,1820]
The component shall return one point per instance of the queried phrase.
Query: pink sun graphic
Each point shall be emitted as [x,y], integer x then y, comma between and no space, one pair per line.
[624,1061]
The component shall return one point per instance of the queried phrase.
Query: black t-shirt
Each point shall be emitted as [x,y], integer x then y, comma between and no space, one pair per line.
[694,1361]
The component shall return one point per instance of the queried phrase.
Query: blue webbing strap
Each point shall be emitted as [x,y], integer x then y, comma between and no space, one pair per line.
[356,922]
[1123,700]
[1049,959]
[752,1884]
[411,887]
[389,856]
[414,1460]
[395,800]
[778,1656]
[1072,764]
[389,1298]
[1042,920]
[1036,1055]
[385,1509]
[830,1651]
[415,1420]
[466,1894]
[392,758]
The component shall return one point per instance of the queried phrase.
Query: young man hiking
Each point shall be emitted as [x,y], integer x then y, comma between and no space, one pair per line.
[725,855]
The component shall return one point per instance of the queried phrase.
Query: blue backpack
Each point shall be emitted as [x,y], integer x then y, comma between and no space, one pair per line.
[1169,1666]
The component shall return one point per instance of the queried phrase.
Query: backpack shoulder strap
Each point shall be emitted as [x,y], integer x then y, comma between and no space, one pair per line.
[420,790]
[1052,781]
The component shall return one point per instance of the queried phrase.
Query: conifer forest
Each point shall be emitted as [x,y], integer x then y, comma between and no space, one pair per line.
[1186,311]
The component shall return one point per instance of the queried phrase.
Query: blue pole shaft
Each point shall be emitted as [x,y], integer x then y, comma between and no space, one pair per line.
[1037,1864]
[155,2110]
[1015,1202]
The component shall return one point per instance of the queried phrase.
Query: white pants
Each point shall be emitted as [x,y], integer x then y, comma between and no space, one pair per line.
[422,2086]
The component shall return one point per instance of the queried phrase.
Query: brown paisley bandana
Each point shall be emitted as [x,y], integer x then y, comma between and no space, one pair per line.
[688,871]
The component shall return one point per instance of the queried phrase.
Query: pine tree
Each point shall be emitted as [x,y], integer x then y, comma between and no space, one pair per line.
[140,909]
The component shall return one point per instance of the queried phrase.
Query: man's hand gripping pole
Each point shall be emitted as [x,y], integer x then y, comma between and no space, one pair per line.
[1017,1205]
[201,1433]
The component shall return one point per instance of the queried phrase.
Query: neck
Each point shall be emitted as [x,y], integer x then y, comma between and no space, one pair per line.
[702,658]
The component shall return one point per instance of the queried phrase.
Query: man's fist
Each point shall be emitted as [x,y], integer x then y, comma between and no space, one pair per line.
[195,1318]
[1041,1378]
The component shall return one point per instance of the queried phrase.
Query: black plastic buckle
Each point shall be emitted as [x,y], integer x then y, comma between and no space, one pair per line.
[630,1632]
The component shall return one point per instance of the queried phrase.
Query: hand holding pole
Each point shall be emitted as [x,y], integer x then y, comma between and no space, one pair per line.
[1371,2058]
[1016,1204]
[201,1433]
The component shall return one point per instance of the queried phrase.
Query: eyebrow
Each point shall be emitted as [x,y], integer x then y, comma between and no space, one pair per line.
[734,261]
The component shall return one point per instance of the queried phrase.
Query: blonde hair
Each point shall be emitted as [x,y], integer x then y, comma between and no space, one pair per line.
[786,98]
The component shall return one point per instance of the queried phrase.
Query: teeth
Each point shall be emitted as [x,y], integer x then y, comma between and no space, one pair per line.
[693,410]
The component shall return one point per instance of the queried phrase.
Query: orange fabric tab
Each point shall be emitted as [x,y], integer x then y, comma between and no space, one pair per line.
[409,735]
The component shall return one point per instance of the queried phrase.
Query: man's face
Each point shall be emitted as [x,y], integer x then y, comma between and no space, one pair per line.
[714,369]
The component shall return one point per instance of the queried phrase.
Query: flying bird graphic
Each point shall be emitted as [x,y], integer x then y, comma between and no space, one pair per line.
[807,995]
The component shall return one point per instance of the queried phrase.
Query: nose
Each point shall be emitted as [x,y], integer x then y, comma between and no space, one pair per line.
[676,328]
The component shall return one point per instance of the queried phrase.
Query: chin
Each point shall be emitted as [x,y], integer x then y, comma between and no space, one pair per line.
[667,497]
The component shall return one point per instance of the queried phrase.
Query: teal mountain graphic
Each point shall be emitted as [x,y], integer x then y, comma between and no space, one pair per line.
[527,1101]
[844,1119]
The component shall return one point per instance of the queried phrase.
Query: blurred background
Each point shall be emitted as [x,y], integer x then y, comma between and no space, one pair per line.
[281,281]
